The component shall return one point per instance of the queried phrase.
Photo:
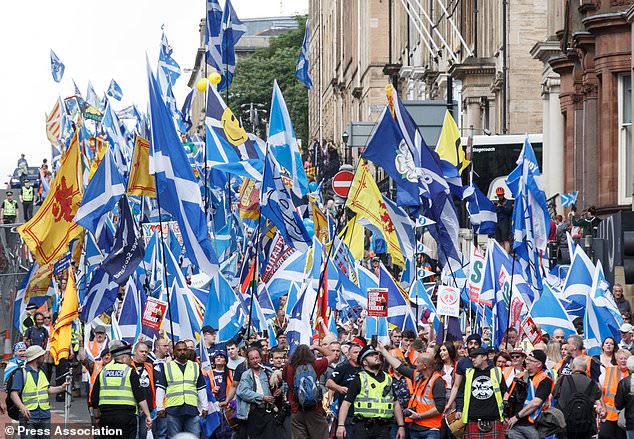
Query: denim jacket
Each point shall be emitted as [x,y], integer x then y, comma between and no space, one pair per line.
[245,395]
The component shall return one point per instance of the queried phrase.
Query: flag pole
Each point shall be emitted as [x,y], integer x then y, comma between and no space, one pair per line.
[169,301]
[508,315]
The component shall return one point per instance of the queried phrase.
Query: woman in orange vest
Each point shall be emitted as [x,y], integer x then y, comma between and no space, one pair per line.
[607,357]
[609,383]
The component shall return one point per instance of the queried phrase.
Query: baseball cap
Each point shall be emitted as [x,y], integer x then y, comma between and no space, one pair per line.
[100,329]
[207,328]
[539,355]
[478,351]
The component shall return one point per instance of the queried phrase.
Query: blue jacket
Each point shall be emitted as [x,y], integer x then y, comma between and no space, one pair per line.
[245,395]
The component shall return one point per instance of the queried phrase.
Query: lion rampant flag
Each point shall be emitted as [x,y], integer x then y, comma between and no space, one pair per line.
[61,335]
[366,201]
[141,183]
[50,230]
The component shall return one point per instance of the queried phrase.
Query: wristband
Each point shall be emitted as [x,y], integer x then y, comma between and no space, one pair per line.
[401,426]
[341,426]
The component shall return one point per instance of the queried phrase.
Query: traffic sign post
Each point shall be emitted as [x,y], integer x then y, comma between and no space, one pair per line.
[341,183]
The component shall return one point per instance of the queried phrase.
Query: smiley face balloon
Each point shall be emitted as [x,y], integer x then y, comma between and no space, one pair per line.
[236,135]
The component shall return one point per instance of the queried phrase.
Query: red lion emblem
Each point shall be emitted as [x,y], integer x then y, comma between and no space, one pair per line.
[63,202]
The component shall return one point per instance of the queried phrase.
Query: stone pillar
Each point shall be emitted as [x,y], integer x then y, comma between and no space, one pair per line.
[553,156]
[473,113]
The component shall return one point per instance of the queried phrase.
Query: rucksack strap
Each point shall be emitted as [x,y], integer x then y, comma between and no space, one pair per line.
[572,384]
[588,390]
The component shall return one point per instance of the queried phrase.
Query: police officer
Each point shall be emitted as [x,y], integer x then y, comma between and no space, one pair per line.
[27,196]
[9,215]
[117,393]
[375,406]
[30,391]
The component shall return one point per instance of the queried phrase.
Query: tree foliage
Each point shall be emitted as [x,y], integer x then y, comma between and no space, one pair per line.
[253,80]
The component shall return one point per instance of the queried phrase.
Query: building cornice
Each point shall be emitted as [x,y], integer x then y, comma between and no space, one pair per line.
[473,66]
[605,21]
[547,49]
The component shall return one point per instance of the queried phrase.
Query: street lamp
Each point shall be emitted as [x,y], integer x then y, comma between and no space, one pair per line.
[345,137]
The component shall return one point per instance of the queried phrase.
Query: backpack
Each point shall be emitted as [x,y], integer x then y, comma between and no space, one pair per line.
[306,387]
[579,410]
[12,410]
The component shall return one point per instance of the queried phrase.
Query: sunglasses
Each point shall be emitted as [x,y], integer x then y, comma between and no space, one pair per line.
[517,356]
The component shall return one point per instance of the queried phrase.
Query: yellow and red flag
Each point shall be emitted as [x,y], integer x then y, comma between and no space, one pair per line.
[50,230]
[366,201]
[60,339]
[248,200]
[141,183]
[322,232]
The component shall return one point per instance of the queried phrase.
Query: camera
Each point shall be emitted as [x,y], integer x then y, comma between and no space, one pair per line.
[408,412]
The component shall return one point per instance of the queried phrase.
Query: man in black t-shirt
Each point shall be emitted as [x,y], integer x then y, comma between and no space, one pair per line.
[340,380]
[483,387]
[527,405]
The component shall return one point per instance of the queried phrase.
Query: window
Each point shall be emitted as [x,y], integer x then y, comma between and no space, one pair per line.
[625,140]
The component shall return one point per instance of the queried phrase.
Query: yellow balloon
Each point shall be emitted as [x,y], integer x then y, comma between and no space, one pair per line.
[201,84]
[214,78]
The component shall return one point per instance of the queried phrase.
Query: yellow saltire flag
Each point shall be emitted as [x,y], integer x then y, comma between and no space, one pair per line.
[449,146]
[141,183]
[322,232]
[39,283]
[353,238]
[60,339]
[50,230]
[248,200]
[366,201]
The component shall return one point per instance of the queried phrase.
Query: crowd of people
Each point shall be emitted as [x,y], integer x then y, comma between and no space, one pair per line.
[342,386]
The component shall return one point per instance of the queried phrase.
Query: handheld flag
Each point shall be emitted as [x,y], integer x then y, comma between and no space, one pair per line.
[57,67]
[61,335]
[140,182]
[114,90]
[301,70]
[449,148]
[549,313]
[569,199]
[482,212]
[232,31]
[213,35]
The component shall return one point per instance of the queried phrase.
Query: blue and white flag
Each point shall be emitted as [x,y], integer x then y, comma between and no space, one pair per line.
[91,96]
[168,69]
[57,67]
[281,140]
[128,325]
[114,90]
[101,295]
[403,226]
[101,195]
[420,298]
[127,251]
[213,36]
[299,330]
[482,212]
[276,204]
[549,313]
[578,283]
[602,317]
[398,306]
[223,311]
[176,184]
[290,273]
[531,219]
[569,199]
[302,68]
[232,31]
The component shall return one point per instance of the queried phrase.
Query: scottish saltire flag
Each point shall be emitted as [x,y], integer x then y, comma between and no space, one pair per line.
[127,251]
[281,140]
[384,148]
[398,306]
[101,295]
[128,325]
[114,91]
[531,219]
[91,96]
[420,160]
[177,185]
[578,283]
[213,36]
[302,68]
[276,204]
[223,310]
[185,318]
[351,292]
[420,298]
[168,69]
[101,195]
[602,317]
[299,330]
[232,31]
[482,212]
[569,199]
[549,313]
[403,226]
[57,67]
[290,273]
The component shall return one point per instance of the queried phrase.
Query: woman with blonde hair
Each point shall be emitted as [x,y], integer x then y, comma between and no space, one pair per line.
[553,353]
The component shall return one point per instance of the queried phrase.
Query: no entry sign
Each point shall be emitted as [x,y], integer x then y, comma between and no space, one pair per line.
[341,183]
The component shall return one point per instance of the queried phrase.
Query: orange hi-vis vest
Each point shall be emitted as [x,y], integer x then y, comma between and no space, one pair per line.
[612,377]
[534,383]
[149,367]
[561,363]
[94,349]
[422,400]
[96,369]
[508,373]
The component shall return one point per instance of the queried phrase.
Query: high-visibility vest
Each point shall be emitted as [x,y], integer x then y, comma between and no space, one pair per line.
[114,385]
[27,193]
[149,368]
[613,375]
[509,374]
[10,207]
[495,375]
[422,399]
[375,399]
[96,370]
[94,348]
[35,395]
[559,365]
[534,384]
[181,387]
